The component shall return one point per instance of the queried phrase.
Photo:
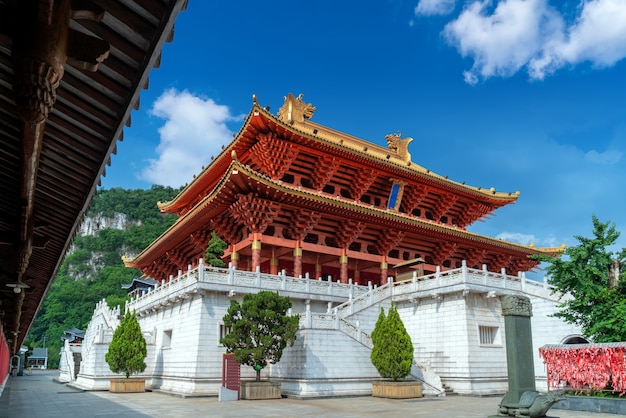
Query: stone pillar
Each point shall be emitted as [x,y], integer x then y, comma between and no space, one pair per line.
[522,399]
[343,266]
[517,311]
[297,260]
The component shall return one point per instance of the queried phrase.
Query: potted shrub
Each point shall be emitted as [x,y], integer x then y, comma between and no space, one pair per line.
[392,355]
[260,330]
[127,353]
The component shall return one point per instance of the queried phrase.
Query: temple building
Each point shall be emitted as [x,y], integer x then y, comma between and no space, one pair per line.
[343,227]
[289,194]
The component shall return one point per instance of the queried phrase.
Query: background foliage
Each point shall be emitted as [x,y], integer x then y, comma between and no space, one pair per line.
[93,270]
[598,303]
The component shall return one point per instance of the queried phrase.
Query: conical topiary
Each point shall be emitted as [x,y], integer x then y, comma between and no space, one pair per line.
[127,351]
[392,352]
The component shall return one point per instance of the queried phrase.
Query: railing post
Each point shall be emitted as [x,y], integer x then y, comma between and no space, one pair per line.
[309,320]
[390,284]
[201,270]
[464,270]
[522,280]
[350,290]
[369,292]
[336,318]
[485,274]
[231,274]
[330,285]
[284,281]
[503,272]
[258,276]
[307,283]
[438,275]
[189,268]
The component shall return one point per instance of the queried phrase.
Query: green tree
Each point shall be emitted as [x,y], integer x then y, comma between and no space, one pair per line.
[215,251]
[392,352]
[589,273]
[260,329]
[127,351]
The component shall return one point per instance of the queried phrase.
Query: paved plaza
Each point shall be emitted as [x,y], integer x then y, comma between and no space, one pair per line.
[39,396]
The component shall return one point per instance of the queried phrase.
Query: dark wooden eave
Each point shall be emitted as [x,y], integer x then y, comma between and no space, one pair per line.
[70,74]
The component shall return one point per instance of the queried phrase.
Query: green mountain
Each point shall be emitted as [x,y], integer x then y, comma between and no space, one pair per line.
[119,222]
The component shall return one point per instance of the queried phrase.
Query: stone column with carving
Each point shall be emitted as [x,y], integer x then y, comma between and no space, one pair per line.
[522,399]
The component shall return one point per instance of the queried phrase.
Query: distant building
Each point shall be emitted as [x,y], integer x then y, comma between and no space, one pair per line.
[139,286]
[38,359]
[343,227]
[73,336]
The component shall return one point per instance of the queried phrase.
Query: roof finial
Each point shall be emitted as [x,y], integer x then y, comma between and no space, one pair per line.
[254,99]
[294,109]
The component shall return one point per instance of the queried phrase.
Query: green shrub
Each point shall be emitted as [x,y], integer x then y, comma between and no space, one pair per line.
[392,354]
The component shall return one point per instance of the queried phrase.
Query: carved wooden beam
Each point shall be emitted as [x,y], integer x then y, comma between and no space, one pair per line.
[254,212]
[444,251]
[362,182]
[389,239]
[302,221]
[349,231]
[324,171]
[273,154]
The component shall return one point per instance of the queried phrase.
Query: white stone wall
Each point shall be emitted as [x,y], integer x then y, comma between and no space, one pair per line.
[325,363]
[443,315]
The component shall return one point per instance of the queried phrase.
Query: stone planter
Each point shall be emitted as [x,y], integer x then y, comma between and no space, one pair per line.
[260,390]
[396,390]
[130,385]
[593,404]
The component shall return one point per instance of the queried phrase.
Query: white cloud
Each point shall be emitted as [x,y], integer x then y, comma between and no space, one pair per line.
[506,40]
[534,35]
[195,128]
[434,7]
[604,158]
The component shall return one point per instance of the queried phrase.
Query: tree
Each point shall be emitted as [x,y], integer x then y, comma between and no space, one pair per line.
[127,351]
[215,251]
[392,352]
[589,272]
[260,329]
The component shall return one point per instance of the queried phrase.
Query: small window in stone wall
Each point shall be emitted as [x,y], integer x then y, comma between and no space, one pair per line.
[224,330]
[167,339]
[489,335]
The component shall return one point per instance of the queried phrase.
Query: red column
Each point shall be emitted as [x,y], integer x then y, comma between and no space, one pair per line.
[273,264]
[256,251]
[297,260]
[383,270]
[234,258]
[343,266]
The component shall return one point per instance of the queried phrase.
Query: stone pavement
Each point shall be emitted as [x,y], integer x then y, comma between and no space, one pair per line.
[38,396]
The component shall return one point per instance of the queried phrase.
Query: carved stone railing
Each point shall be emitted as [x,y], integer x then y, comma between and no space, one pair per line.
[202,277]
[441,282]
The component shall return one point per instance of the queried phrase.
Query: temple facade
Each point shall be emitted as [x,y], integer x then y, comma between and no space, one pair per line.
[342,226]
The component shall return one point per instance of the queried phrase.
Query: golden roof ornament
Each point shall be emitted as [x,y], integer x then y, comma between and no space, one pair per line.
[400,145]
[295,110]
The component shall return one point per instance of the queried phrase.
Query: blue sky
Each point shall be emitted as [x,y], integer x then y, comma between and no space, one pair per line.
[520,95]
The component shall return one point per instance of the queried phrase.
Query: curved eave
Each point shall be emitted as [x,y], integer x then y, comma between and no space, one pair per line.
[366,151]
[185,225]
[382,156]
